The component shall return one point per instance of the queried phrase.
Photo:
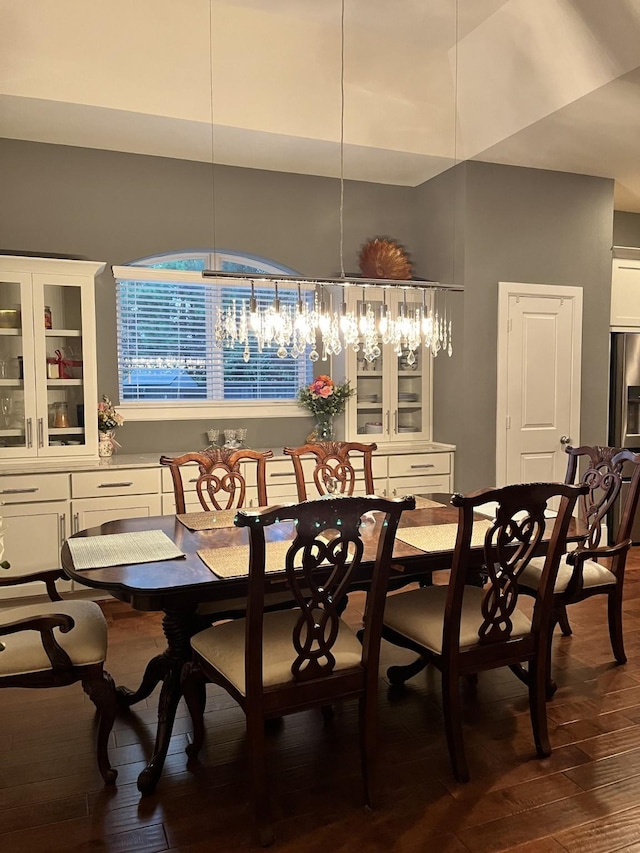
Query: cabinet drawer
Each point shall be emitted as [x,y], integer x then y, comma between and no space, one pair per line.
[417,464]
[400,486]
[100,484]
[280,471]
[26,488]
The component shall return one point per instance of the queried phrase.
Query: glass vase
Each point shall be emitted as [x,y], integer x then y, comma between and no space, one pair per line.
[324,428]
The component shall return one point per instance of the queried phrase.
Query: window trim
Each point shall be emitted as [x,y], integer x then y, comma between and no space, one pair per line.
[177,410]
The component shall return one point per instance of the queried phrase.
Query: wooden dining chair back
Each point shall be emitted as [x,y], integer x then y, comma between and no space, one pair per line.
[334,471]
[220,483]
[464,629]
[55,643]
[603,475]
[594,567]
[277,663]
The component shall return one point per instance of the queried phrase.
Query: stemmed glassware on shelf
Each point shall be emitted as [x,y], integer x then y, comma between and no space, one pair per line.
[213,435]
[6,407]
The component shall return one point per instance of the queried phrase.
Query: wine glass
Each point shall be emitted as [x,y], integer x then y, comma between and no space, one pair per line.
[212,435]
[6,406]
[230,438]
[241,436]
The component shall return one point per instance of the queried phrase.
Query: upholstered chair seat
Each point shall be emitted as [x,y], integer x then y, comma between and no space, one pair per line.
[593,574]
[223,647]
[85,643]
[419,616]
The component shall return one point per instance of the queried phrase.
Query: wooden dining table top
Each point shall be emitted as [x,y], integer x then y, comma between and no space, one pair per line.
[186,581]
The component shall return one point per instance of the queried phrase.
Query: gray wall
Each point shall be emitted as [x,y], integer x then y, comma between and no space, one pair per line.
[626,228]
[476,224]
[522,225]
[116,207]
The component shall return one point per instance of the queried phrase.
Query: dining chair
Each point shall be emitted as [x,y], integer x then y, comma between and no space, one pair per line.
[465,629]
[220,483]
[55,643]
[279,663]
[334,471]
[581,574]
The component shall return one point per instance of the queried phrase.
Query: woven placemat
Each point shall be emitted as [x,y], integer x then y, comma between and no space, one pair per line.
[233,562]
[117,549]
[207,520]
[425,503]
[440,537]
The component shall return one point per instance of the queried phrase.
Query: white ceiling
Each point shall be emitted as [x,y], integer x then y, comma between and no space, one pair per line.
[551,84]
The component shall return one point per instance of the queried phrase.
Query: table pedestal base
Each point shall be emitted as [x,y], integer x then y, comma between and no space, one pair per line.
[178,627]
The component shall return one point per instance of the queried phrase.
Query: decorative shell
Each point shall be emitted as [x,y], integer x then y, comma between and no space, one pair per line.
[382,258]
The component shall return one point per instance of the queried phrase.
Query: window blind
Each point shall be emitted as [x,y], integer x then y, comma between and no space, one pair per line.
[167,348]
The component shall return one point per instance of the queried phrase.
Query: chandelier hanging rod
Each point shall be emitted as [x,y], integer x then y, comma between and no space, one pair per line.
[346,281]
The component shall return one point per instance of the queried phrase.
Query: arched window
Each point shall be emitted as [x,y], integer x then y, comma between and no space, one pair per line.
[169,354]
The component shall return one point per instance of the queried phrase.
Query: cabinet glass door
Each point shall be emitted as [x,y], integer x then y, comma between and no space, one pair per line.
[59,364]
[410,409]
[392,379]
[17,392]
[372,417]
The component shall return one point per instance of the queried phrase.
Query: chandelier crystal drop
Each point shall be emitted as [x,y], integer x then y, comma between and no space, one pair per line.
[317,331]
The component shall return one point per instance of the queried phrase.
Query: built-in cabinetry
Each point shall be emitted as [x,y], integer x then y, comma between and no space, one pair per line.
[47,358]
[36,510]
[625,288]
[106,495]
[40,509]
[393,393]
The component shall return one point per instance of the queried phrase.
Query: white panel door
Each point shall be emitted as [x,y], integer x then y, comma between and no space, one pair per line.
[538,382]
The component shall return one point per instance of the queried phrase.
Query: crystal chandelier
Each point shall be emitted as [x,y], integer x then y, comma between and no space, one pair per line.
[300,329]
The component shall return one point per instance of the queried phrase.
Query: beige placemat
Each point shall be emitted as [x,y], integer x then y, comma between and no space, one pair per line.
[207,520]
[440,537]
[117,549]
[425,503]
[233,562]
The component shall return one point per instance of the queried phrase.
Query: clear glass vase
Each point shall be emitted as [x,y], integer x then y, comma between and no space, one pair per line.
[324,428]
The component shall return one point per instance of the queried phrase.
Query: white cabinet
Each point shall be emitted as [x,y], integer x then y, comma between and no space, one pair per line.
[393,392]
[36,513]
[47,358]
[420,473]
[100,496]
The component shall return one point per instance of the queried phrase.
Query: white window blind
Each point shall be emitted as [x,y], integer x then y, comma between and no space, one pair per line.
[167,348]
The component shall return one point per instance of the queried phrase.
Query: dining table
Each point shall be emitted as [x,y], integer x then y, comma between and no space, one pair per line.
[198,573]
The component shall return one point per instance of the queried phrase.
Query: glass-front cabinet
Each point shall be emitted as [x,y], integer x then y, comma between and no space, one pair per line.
[47,358]
[393,390]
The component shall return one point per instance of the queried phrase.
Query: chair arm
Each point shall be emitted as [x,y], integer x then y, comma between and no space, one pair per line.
[48,577]
[44,624]
[581,555]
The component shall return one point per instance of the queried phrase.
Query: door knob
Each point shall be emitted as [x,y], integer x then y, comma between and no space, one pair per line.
[565,439]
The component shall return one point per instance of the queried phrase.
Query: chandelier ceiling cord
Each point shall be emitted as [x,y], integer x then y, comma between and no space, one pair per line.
[295,327]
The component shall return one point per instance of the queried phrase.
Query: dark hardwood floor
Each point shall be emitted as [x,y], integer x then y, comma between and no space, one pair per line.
[583,799]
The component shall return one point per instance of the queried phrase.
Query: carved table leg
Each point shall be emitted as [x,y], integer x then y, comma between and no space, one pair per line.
[155,672]
[179,627]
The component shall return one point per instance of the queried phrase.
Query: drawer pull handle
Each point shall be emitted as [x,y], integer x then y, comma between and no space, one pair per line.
[19,491]
[281,474]
[114,485]
[423,466]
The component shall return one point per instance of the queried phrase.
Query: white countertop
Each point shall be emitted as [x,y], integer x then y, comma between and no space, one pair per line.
[152,460]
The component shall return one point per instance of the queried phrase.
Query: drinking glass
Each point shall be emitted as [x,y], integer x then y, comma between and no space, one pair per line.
[6,405]
[241,436]
[212,435]
[230,437]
